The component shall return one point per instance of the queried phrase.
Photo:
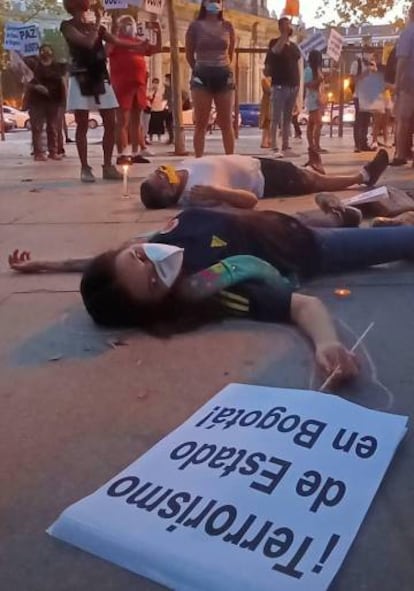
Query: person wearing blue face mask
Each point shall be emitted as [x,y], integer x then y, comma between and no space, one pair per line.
[209,45]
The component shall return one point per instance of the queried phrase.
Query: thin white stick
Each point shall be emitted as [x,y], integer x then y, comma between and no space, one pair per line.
[356,345]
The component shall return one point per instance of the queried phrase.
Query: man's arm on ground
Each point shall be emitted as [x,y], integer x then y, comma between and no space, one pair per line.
[201,194]
[311,316]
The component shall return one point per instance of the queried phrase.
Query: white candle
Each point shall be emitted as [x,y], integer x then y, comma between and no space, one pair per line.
[125,169]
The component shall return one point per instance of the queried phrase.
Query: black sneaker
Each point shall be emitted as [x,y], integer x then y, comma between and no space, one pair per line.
[376,167]
[138,159]
[124,159]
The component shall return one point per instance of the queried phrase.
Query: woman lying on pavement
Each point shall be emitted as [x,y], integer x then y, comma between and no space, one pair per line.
[195,270]
[240,181]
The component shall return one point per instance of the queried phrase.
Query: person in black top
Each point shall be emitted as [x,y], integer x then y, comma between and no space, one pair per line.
[89,83]
[44,96]
[195,270]
[282,64]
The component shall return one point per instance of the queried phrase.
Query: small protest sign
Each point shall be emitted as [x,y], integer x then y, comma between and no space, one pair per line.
[115,4]
[22,38]
[262,488]
[317,41]
[367,196]
[335,43]
[154,6]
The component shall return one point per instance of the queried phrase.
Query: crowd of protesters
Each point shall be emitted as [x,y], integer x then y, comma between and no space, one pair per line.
[137,111]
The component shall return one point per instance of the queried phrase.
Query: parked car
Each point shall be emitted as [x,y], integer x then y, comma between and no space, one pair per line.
[22,118]
[249,114]
[348,117]
[8,122]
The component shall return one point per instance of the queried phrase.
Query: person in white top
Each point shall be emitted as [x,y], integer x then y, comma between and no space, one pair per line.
[240,181]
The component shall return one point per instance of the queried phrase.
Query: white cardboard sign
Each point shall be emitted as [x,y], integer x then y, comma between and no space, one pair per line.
[317,41]
[22,38]
[367,196]
[262,488]
[335,43]
[115,4]
[154,6]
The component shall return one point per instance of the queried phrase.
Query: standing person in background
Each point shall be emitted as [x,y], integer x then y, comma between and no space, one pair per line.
[209,46]
[156,124]
[129,80]
[282,64]
[295,121]
[404,90]
[265,111]
[313,80]
[146,116]
[89,84]
[361,70]
[168,109]
[45,95]
[63,134]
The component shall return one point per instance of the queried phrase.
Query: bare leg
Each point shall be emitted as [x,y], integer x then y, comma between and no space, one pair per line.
[322,182]
[108,141]
[202,101]
[81,118]
[310,130]
[136,131]
[224,102]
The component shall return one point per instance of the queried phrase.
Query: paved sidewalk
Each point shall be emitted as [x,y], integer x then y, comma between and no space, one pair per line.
[78,403]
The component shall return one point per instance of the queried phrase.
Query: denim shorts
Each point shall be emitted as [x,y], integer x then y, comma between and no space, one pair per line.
[215,79]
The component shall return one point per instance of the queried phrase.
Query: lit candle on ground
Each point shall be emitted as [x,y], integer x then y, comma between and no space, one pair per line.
[342,292]
[125,169]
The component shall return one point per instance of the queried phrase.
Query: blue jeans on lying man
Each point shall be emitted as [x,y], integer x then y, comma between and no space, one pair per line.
[346,249]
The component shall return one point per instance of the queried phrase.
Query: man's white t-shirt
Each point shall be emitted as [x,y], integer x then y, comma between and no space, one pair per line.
[370,89]
[231,172]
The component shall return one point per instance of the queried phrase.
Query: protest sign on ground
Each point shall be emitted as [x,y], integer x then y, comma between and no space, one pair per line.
[262,488]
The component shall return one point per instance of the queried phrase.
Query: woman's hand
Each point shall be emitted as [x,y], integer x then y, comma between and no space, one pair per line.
[334,358]
[20,261]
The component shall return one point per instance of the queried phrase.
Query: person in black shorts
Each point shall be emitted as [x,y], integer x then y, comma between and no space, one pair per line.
[240,181]
[208,264]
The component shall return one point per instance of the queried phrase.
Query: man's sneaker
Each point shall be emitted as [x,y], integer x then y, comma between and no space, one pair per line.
[351,217]
[322,151]
[289,153]
[328,202]
[276,154]
[404,219]
[124,159]
[139,159]
[87,175]
[40,158]
[376,167]
[110,173]
[55,156]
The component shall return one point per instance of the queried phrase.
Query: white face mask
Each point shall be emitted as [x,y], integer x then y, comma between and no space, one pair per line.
[167,260]
[213,7]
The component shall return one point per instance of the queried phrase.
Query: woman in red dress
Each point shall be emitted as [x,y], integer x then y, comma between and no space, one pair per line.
[129,80]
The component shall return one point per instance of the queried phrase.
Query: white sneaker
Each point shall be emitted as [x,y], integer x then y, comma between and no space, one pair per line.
[276,154]
[147,152]
[289,153]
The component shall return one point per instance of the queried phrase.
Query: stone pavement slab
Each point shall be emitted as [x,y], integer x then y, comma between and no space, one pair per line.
[78,403]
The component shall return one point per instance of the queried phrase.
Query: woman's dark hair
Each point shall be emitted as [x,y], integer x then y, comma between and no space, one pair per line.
[202,13]
[152,199]
[109,304]
[74,6]
[315,62]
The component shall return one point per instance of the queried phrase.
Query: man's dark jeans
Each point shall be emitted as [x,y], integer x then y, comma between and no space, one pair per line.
[361,125]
